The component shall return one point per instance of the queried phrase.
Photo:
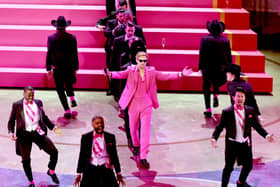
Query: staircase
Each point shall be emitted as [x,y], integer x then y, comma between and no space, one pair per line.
[173,30]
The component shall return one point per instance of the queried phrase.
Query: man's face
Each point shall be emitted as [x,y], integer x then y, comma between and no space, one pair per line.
[98,125]
[230,76]
[130,31]
[239,98]
[142,61]
[120,17]
[28,95]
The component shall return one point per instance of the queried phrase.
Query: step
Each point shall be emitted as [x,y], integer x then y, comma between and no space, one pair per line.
[95,79]
[146,16]
[94,58]
[168,38]
[173,3]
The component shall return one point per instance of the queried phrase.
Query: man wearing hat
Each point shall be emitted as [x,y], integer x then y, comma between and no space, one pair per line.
[233,75]
[214,57]
[62,62]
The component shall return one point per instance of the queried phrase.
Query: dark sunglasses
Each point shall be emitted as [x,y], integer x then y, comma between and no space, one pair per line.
[142,60]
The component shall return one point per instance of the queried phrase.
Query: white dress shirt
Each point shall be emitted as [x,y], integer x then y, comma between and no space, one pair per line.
[98,160]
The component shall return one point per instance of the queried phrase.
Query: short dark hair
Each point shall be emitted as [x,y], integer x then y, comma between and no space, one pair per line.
[97,117]
[239,89]
[122,2]
[26,88]
[130,24]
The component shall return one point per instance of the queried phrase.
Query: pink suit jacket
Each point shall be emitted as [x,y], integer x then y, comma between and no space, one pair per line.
[132,76]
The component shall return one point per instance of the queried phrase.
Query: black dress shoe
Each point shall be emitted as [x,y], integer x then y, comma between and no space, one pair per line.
[145,163]
[245,184]
[54,177]
[207,114]
[31,185]
[136,151]
[215,102]
[73,103]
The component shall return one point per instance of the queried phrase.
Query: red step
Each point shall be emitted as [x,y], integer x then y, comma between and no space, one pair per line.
[172,3]
[146,16]
[94,58]
[95,79]
[30,35]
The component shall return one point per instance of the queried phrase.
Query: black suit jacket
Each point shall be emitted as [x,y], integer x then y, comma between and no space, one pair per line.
[214,53]
[17,119]
[62,52]
[111,7]
[250,98]
[111,25]
[228,122]
[86,151]
[123,54]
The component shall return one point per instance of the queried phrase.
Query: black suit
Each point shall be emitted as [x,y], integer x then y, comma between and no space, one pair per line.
[234,150]
[98,175]
[62,55]
[111,7]
[250,98]
[25,138]
[214,58]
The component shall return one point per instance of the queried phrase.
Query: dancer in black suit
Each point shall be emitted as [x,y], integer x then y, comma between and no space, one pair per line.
[238,120]
[98,157]
[214,57]
[233,75]
[28,123]
[113,5]
[62,57]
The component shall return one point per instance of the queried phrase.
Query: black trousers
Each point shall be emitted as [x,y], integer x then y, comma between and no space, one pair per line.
[64,82]
[43,142]
[208,81]
[243,154]
[98,176]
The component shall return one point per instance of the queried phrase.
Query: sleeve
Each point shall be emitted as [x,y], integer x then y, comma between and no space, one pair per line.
[120,74]
[108,30]
[45,119]
[75,54]
[116,161]
[256,124]
[164,76]
[81,160]
[49,59]
[220,126]
[12,119]
[228,53]
[202,55]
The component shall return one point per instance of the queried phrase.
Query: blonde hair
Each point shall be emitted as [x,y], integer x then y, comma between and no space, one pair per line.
[141,53]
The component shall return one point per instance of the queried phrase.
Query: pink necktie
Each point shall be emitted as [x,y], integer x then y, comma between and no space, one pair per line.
[29,112]
[96,147]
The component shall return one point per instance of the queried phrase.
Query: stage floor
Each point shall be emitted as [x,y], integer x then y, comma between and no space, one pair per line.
[180,152]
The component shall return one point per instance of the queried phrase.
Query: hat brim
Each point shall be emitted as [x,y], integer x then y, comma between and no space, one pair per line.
[54,23]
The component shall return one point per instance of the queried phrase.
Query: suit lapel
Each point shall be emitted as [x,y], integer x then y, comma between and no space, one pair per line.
[22,112]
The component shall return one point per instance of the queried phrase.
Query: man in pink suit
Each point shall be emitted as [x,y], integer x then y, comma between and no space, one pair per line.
[140,96]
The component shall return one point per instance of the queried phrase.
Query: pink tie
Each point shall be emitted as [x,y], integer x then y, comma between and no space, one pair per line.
[242,120]
[96,147]
[30,113]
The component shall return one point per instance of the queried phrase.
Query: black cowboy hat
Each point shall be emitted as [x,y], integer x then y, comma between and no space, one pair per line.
[216,27]
[61,22]
[235,69]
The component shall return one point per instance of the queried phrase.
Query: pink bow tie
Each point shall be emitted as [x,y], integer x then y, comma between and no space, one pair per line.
[96,135]
[239,107]
[26,103]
